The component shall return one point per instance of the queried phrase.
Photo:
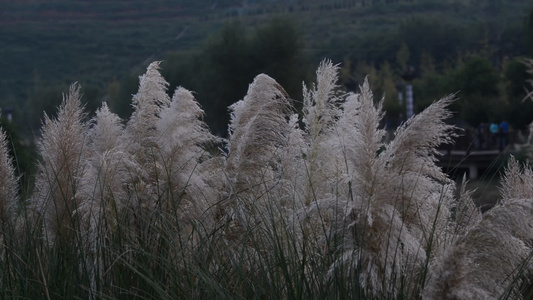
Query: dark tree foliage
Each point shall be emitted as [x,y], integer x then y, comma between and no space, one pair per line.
[276,51]
[43,100]
[429,88]
[46,100]
[120,94]
[476,76]
[479,100]
[225,74]
[220,74]
[529,32]
[23,157]
[92,98]
[443,40]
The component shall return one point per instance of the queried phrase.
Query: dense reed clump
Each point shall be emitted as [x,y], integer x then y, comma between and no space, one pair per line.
[312,206]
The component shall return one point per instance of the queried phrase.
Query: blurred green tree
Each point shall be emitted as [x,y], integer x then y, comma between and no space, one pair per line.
[402,57]
[529,32]
[430,85]
[43,100]
[387,86]
[438,37]
[120,92]
[22,153]
[220,73]
[477,82]
[225,73]
[277,51]
[46,100]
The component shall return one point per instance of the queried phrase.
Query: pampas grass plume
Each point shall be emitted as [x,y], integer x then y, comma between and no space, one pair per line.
[63,162]
[8,184]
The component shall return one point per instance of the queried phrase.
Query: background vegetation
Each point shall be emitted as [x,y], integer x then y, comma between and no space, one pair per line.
[215,48]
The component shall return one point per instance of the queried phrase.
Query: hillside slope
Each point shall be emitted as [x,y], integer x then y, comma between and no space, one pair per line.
[45,43]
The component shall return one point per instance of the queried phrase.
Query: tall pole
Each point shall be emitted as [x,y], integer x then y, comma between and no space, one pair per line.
[409,100]
[399,88]
[408,76]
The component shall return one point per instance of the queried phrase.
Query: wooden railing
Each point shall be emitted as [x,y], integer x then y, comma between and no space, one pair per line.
[473,152]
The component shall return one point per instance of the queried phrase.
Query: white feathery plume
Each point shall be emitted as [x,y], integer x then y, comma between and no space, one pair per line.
[312,164]
[180,128]
[410,159]
[141,136]
[110,167]
[102,190]
[182,136]
[8,184]
[360,138]
[466,213]
[150,99]
[493,259]
[257,130]
[109,170]
[397,202]
[106,132]
[375,239]
[63,162]
[8,193]
[292,167]
[320,103]
[355,141]
[291,188]
[321,110]
[516,182]
[414,148]
[258,133]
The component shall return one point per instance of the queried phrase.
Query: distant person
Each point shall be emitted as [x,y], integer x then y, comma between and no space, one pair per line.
[504,134]
[494,130]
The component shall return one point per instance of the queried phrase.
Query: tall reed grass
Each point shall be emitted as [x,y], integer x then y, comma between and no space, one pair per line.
[311,206]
